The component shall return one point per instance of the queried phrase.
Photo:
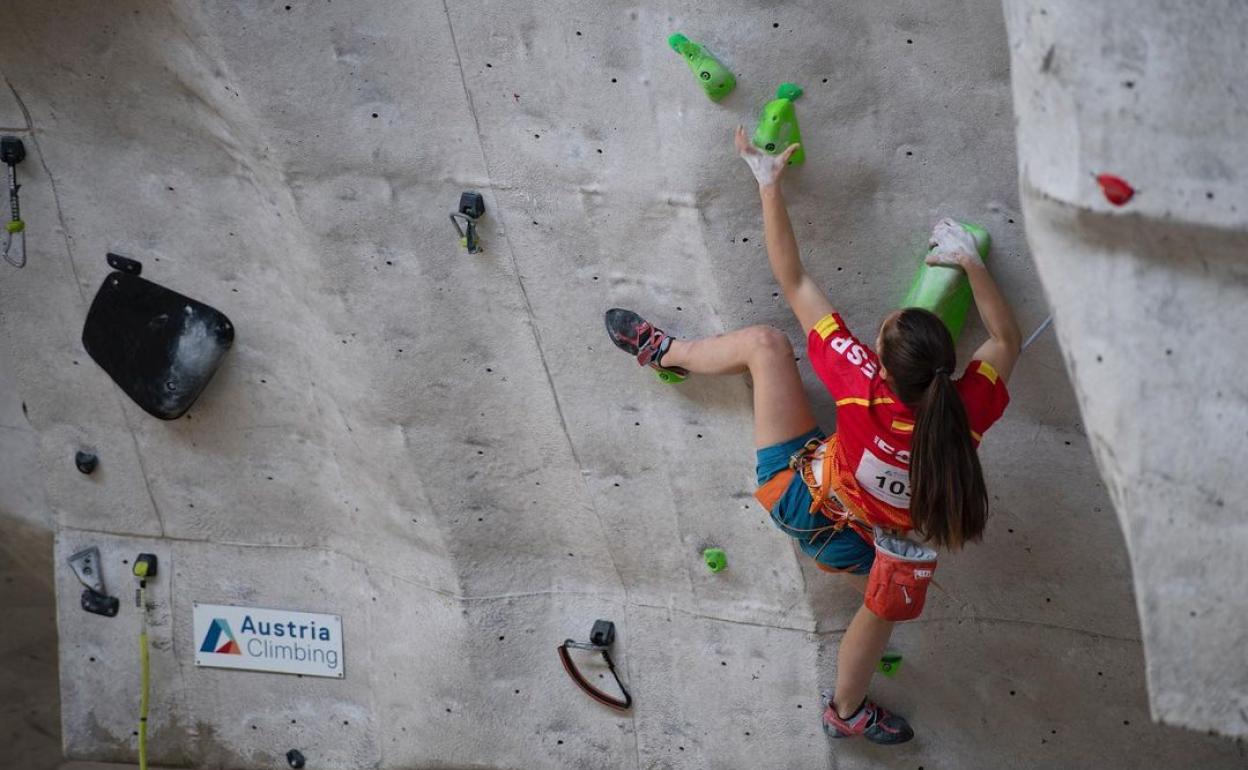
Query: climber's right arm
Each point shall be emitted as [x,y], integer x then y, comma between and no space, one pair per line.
[807,300]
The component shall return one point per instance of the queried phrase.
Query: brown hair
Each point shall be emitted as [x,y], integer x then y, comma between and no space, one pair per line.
[948,499]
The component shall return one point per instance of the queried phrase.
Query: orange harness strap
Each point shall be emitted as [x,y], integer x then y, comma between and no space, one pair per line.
[838,507]
[823,493]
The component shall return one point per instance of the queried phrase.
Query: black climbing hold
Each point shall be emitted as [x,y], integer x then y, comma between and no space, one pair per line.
[12,151]
[472,204]
[86,461]
[159,346]
[100,604]
[295,759]
[603,633]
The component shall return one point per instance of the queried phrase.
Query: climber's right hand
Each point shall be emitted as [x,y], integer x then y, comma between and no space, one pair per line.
[767,169]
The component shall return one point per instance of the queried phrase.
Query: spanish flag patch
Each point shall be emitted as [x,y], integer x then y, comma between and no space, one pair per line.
[986,369]
[826,326]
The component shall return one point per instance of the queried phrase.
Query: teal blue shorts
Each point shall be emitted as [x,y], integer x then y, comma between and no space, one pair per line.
[844,550]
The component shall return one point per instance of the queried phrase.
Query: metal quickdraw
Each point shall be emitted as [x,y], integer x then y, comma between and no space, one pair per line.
[471,208]
[12,151]
[601,637]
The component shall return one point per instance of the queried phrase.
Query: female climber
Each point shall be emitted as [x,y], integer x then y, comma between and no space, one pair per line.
[904,455]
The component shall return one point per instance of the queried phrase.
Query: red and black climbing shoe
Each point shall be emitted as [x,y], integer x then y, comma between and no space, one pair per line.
[638,337]
[872,722]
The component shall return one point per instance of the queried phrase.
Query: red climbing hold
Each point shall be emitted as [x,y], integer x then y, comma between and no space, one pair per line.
[1116,189]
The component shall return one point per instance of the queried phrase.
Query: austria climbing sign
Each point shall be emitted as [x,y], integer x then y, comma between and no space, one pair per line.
[258,639]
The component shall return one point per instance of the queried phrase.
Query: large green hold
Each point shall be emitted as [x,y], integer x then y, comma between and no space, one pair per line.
[945,290]
[713,76]
[777,126]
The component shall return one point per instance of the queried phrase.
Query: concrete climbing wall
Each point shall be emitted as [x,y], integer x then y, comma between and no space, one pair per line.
[1151,301]
[445,450]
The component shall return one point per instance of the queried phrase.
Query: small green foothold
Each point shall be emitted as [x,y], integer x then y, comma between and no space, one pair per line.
[777,126]
[15,226]
[890,664]
[716,559]
[716,79]
[669,377]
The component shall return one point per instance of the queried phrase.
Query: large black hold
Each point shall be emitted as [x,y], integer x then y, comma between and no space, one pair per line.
[159,346]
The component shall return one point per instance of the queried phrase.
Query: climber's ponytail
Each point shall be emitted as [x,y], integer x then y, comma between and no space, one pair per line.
[948,499]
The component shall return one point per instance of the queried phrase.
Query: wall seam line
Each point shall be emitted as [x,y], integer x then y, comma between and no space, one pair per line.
[73,268]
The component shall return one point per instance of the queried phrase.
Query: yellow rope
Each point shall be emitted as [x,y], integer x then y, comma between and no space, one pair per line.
[145,669]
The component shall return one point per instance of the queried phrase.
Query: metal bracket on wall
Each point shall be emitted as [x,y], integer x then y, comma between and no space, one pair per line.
[86,566]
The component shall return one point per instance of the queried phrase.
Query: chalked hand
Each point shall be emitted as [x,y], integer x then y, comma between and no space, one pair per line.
[766,168]
[951,245]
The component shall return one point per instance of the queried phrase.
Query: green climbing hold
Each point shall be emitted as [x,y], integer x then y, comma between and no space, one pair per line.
[15,226]
[890,664]
[945,290]
[788,91]
[715,558]
[777,127]
[668,376]
[716,80]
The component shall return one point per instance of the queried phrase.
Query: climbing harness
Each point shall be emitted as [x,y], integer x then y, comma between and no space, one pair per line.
[901,569]
[12,151]
[600,639]
[823,499]
[144,568]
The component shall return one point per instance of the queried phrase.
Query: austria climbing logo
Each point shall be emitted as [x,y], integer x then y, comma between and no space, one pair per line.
[220,639]
[263,639]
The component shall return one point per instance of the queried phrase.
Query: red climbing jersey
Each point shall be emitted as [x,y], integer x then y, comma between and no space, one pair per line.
[873,427]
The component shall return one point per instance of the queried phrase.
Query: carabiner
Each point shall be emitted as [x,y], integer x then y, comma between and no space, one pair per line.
[15,228]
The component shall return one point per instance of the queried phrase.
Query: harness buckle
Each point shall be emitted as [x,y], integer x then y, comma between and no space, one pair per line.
[795,459]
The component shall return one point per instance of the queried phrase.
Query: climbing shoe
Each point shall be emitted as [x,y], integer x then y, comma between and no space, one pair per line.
[872,722]
[637,336]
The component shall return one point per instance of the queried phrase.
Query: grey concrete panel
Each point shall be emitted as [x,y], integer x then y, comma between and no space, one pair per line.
[1149,302]
[446,450]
